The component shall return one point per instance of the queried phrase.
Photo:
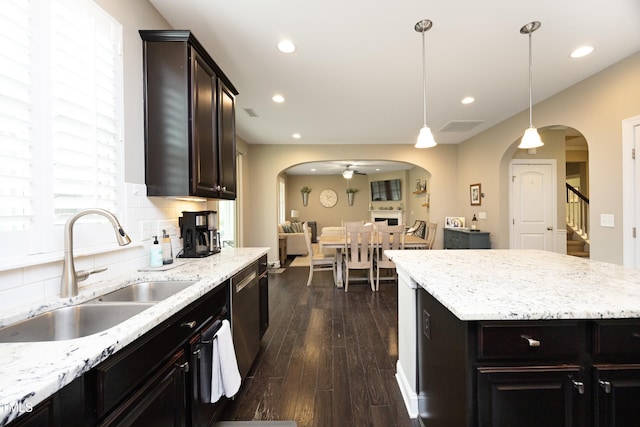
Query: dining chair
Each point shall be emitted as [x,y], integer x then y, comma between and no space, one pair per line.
[358,251]
[388,237]
[317,261]
[432,230]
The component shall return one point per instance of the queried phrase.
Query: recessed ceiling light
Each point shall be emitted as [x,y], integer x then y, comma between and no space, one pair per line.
[278,98]
[286,46]
[582,51]
[313,169]
[296,136]
[468,100]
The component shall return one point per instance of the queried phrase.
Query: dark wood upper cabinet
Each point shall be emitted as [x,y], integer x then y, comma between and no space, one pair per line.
[190,143]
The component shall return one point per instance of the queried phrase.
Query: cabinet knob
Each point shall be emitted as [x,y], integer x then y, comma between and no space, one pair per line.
[606,385]
[189,325]
[532,342]
[579,385]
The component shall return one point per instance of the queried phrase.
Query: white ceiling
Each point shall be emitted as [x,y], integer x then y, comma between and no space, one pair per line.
[336,167]
[356,77]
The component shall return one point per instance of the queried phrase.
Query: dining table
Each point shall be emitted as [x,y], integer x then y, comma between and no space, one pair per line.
[337,242]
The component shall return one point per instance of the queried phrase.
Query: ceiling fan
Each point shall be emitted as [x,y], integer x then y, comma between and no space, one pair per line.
[348,173]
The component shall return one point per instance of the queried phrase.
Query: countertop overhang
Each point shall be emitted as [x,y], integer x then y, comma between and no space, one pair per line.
[31,372]
[522,284]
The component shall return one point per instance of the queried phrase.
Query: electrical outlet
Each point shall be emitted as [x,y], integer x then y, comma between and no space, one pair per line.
[146,229]
[482,215]
[170,226]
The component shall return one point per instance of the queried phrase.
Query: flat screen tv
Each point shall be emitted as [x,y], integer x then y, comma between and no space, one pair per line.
[389,189]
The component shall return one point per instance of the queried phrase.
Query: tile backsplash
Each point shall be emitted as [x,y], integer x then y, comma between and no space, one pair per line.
[143,217]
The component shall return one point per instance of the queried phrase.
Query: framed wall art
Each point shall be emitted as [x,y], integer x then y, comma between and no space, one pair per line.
[475,195]
[453,222]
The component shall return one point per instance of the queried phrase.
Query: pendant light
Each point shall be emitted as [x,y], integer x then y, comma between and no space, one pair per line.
[425,137]
[531,138]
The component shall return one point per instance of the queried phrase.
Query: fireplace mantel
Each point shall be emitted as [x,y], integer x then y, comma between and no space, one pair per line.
[387,214]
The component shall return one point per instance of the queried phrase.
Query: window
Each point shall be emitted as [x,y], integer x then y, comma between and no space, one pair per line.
[61,119]
[281,200]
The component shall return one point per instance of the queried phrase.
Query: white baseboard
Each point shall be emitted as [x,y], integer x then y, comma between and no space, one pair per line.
[409,395]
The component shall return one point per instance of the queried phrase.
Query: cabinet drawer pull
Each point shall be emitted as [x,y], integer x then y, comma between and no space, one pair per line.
[184,366]
[189,325]
[532,342]
[636,334]
[579,385]
[606,385]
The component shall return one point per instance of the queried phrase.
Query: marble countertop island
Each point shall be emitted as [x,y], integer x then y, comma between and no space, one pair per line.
[522,284]
[30,372]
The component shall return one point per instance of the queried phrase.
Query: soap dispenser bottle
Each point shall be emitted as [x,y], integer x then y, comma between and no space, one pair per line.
[155,255]
[167,252]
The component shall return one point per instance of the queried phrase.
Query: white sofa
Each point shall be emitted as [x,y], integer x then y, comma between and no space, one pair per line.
[296,244]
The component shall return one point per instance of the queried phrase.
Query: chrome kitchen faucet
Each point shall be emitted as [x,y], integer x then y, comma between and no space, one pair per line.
[70,278]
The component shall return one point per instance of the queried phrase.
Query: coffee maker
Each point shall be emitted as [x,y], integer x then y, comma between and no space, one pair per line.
[200,237]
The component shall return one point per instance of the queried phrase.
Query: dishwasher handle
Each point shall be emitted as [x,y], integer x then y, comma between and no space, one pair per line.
[245,282]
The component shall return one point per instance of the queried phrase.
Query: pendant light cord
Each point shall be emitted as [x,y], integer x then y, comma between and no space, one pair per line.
[530,85]
[424,80]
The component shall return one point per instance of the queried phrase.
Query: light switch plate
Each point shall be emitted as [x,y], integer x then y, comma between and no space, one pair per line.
[607,220]
[482,215]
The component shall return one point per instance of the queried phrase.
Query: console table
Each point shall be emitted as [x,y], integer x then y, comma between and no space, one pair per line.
[464,239]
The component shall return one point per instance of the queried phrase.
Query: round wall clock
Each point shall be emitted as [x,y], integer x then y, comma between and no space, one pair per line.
[328,198]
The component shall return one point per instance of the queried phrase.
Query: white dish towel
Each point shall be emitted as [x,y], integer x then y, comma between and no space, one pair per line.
[225,376]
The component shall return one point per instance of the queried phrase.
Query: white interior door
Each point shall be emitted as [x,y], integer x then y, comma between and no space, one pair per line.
[636,171]
[631,191]
[533,206]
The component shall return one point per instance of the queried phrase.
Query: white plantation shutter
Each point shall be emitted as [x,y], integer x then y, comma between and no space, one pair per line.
[61,114]
[16,117]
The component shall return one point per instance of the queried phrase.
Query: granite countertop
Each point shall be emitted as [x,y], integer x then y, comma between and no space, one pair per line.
[30,372]
[522,284]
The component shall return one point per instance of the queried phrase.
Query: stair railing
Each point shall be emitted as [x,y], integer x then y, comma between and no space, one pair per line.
[578,211]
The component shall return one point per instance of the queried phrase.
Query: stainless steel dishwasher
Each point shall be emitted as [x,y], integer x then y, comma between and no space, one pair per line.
[245,317]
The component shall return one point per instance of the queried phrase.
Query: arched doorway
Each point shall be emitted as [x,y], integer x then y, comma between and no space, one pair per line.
[549,193]
[319,177]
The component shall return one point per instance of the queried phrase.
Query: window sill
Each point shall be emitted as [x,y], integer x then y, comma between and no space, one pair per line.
[38,259]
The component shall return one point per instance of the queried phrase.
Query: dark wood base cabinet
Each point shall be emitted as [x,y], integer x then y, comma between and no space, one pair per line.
[526,373]
[160,402]
[151,382]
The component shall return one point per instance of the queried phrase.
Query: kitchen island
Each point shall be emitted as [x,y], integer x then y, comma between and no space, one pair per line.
[505,335]
[30,372]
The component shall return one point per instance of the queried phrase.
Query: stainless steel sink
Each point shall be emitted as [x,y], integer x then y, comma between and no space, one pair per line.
[153,291]
[70,322]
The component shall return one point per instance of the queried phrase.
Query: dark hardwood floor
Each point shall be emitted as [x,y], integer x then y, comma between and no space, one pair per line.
[328,357]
